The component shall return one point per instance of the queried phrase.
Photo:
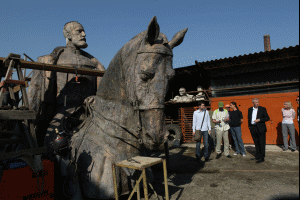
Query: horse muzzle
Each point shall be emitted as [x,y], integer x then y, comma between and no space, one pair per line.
[152,122]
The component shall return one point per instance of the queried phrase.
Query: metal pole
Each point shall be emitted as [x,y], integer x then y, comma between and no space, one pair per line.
[136,187]
[24,76]
[28,57]
[138,191]
[145,184]
[167,153]
[166,179]
[115,182]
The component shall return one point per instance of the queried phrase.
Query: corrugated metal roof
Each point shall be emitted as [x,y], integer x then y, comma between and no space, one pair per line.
[255,54]
[262,55]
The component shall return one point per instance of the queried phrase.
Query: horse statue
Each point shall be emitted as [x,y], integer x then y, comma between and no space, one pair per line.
[126,114]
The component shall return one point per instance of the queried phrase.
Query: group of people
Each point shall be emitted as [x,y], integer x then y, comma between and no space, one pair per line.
[215,125]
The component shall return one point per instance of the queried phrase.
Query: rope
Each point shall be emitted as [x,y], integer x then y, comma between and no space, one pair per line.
[43,180]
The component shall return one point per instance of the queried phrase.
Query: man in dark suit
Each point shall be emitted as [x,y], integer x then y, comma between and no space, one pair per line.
[257,116]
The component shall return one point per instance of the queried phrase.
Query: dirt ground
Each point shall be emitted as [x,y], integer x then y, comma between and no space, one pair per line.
[225,178]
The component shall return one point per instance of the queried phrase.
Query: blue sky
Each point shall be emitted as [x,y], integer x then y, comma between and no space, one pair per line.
[217,28]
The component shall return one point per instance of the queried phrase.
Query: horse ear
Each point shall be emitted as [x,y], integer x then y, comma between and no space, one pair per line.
[178,38]
[153,31]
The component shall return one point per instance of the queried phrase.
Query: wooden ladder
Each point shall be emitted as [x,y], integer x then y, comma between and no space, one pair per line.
[23,116]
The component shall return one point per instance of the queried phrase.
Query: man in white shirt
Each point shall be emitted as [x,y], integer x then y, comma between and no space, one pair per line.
[221,118]
[202,123]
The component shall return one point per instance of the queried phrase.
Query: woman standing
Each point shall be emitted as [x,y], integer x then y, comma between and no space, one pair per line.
[236,119]
[288,114]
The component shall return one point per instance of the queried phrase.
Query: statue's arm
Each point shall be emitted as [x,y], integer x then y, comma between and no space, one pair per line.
[99,66]
[35,89]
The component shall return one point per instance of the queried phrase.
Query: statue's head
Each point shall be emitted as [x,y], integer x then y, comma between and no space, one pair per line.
[182,91]
[75,35]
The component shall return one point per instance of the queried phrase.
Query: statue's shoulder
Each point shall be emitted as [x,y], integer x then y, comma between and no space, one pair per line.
[52,57]
[99,65]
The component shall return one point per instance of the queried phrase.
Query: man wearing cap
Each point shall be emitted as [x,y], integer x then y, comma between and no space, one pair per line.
[221,118]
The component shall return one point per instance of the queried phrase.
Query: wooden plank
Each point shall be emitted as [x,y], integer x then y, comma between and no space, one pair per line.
[18,87]
[57,68]
[9,141]
[139,162]
[12,81]
[6,132]
[23,88]
[17,114]
[35,151]
[7,76]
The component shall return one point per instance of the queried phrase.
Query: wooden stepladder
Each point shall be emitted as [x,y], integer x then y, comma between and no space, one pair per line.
[22,114]
[141,163]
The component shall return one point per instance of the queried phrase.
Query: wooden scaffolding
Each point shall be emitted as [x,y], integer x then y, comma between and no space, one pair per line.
[22,114]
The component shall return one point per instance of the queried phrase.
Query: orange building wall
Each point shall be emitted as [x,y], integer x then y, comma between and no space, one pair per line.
[273,103]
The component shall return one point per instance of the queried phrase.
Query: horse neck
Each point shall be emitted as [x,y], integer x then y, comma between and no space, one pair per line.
[112,99]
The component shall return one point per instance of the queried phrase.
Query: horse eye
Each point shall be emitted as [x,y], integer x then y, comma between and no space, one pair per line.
[146,75]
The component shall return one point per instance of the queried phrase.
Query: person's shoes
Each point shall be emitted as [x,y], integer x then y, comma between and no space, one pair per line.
[206,159]
[235,154]
[253,159]
[284,149]
[293,150]
[244,155]
[6,107]
[23,108]
[218,156]
[260,161]
[229,156]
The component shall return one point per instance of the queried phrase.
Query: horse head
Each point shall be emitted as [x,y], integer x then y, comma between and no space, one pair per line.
[137,81]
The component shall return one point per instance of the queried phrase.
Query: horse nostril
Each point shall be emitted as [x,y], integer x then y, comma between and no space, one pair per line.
[149,137]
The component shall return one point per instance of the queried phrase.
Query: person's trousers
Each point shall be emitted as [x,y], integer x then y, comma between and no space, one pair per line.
[212,140]
[236,133]
[224,135]
[259,142]
[291,129]
[230,138]
[205,142]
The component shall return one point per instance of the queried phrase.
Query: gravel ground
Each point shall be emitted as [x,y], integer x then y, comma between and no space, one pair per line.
[225,178]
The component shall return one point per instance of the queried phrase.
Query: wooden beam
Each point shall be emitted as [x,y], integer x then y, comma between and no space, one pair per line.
[17,114]
[56,68]
[17,82]
[9,141]
[35,151]
[18,87]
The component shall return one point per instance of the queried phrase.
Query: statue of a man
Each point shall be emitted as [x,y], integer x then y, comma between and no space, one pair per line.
[183,96]
[200,96]
[54,94]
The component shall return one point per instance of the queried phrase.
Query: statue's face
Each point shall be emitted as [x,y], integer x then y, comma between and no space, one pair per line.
[199,88]
[77,35]
[182,92]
